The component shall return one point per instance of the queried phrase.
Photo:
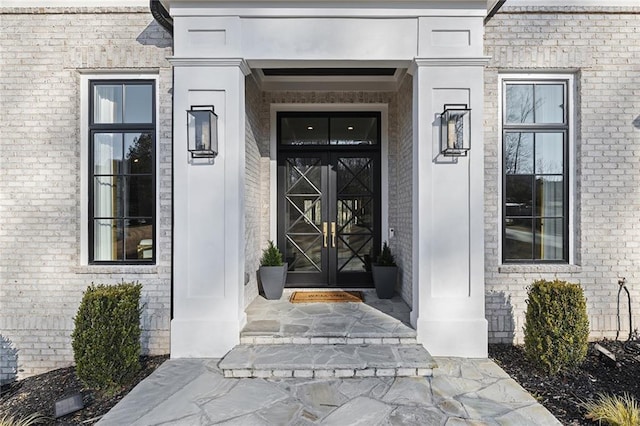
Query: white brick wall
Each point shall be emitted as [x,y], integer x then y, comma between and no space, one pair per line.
[601,47]
[43,53]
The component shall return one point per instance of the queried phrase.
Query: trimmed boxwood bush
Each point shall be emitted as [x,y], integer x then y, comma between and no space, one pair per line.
[556,330]
[106,338]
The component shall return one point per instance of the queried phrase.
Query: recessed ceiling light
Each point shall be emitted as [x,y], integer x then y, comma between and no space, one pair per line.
[350,128]
[309,127]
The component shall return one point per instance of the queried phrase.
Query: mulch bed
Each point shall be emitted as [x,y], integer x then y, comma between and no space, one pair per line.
[38,394]
[563,393]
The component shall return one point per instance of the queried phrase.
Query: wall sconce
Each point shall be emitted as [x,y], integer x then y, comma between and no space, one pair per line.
[202,131]
[455,130]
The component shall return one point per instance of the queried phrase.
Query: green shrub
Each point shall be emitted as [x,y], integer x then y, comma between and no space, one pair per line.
[614,410]
[106,338]
[386,258]
[271,256]
[556,330]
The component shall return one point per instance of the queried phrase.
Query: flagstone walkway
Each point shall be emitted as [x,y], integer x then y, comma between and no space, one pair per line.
[461,392]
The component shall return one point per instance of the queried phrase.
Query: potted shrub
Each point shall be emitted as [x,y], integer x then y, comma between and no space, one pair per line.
[385,273]
[273,272]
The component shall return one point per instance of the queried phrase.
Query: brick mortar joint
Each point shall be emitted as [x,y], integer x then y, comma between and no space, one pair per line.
[590,10]
[73,10]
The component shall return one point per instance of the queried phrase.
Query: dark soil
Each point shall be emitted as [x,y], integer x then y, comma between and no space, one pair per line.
[38,394]
[563,393]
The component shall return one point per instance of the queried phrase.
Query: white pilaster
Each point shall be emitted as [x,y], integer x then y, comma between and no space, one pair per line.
[448,211]
[208,265]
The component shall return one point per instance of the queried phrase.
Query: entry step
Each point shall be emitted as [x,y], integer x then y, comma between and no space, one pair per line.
[324,361]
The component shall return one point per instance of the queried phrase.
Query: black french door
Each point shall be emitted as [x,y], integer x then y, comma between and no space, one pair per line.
[329,213]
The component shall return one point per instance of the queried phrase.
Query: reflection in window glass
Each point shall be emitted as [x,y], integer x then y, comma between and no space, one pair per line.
[304,130]
[549,153]
[138,100]
[138,148]
[519,153]
[354,130]
[518,239]
[519,100]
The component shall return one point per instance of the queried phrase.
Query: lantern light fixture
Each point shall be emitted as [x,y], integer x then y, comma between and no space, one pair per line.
[202,131]
[455,130]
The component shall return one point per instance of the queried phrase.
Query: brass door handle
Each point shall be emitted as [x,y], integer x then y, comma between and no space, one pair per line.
[325,234]
[333,234]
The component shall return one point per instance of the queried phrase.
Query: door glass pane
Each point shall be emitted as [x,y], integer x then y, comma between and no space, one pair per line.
[303,214]
[107,103]
[549,102]
[549,153]
[138,103]
[549,239]
[518,241]
[138,155]
[355,213]
[304,130]
[549,197]
[107,153]
[518,153]
[106,199]
[354,130]
[355,176]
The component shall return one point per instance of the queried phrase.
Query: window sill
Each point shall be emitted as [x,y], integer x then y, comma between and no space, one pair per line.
[539,269]
[116,269]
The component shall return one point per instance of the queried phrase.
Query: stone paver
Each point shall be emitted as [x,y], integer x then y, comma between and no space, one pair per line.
[282,322]
[461,392]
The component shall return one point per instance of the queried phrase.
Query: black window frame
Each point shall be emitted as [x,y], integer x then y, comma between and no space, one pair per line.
[537,128]
[94,128]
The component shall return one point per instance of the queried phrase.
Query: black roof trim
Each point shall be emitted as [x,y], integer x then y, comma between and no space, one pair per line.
[161,15]
[324,72]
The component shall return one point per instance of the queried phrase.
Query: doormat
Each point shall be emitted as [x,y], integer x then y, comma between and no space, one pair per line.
[325,296]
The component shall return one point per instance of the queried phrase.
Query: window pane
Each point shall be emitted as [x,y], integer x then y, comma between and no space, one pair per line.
[519,100]
[519,195]
[138,148]
[139,239]
[549,200]
[549,153]
[304,130]
[549,239]
[107,240]
[107,104]
[518,153]
[549,103]
[518,240]
[139,196]
[107,153]
[138,103]
[354,131]
[106,197]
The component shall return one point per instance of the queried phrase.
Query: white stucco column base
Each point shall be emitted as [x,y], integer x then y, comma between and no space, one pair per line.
[450,337]
[203,339]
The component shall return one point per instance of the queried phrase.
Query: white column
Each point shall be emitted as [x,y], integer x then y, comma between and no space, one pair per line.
[448,310]
[208,230]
